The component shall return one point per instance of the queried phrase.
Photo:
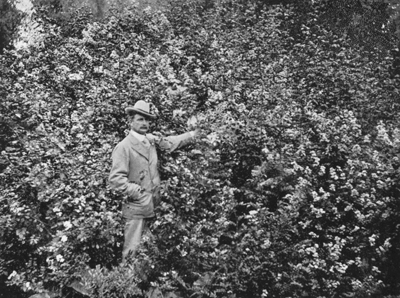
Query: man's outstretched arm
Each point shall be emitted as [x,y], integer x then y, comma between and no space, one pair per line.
[172,143]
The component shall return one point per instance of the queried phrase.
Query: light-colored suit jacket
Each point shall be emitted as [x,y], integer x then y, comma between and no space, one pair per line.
[135,175]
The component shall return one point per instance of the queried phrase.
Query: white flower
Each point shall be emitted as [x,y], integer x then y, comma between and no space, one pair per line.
[98,69]
[264,293]
[265,150]
[67,225]
[372,240]
[114,55]
[64,238]
[76,76]
[27,286]
[356,148]
[14,273]
[60,258]
[57,210]
[253,212]
[64,68]
[213,138]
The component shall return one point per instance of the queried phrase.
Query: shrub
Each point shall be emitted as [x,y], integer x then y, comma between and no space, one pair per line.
[290,191]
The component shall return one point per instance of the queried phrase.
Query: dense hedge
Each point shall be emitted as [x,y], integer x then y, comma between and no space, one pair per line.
[291,191]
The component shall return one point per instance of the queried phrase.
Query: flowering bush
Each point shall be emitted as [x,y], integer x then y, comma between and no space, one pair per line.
[290,191]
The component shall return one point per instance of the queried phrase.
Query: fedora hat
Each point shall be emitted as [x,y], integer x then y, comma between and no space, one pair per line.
[141,107]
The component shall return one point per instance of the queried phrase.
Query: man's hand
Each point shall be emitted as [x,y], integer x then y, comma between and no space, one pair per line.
[195,132]
[192,122]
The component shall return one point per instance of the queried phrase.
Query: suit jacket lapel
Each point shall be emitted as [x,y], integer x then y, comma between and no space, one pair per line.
[139,147]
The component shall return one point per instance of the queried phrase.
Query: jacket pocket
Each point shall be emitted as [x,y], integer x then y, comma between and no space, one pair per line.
[139,208]
[144,198]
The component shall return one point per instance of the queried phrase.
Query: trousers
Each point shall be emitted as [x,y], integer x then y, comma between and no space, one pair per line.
[134,229]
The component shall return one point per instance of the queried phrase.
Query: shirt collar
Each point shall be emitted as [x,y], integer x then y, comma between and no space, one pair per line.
[138,136]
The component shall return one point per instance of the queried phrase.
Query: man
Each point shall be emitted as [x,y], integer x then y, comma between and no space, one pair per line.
[134,172]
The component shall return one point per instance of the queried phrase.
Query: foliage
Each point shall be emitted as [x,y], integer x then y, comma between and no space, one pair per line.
[370,23]
[332,75]
[290,191]
[373,25]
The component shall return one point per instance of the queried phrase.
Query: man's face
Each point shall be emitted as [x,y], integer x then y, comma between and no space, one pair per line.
[140,124]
